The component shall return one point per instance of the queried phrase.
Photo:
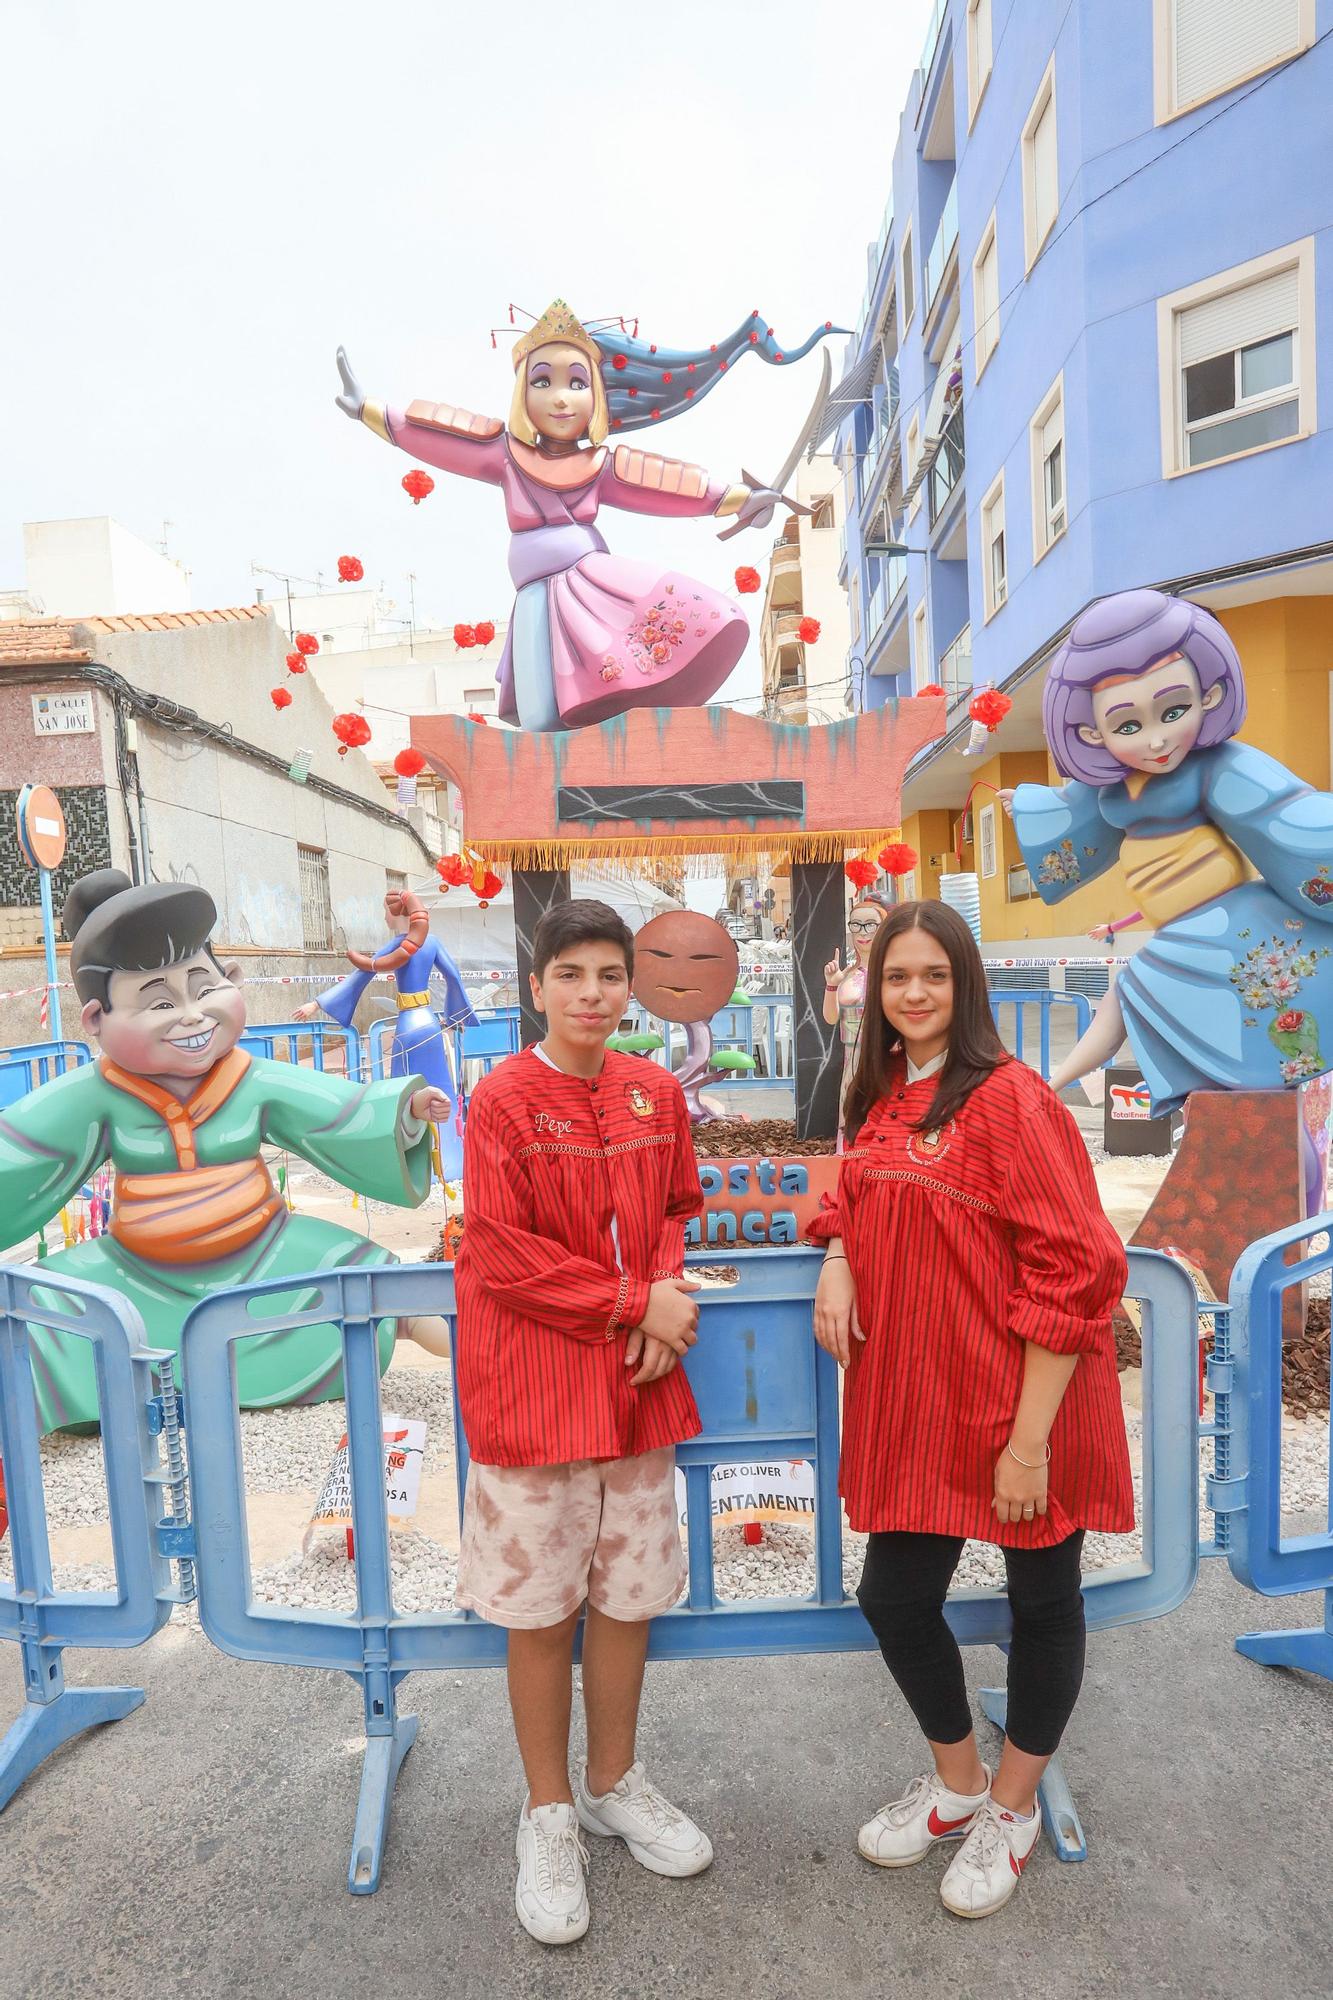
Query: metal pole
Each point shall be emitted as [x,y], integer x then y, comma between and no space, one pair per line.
[53,1026]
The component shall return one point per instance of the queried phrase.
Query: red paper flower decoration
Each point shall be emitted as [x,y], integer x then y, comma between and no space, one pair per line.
[306,642]
[931,687]
[465,635]
[860,872]
[351,569]
[280,697]
[808,630]
[452,870]
[352,731]
[418,484]
[990,707]
[747,580]
[296,663]
[485,632]
[409,763]
[491,885]
[897,858]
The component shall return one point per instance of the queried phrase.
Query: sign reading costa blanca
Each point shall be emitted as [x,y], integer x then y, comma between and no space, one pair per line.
[759,1201]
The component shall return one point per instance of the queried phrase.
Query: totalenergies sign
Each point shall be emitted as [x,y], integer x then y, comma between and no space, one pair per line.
[759,1202]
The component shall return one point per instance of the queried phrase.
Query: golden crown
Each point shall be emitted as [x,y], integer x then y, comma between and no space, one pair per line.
[558,322]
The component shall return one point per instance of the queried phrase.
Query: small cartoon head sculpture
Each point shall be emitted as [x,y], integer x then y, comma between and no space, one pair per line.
[685,966]
[1141,680]
[153,992]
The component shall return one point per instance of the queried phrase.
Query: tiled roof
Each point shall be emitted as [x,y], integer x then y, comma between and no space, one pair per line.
[46,642]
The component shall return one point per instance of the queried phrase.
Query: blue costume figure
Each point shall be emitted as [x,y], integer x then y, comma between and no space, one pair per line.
[421,1039]
[1229,856]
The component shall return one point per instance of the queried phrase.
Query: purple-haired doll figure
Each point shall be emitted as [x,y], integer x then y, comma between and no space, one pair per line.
[1228,855]
[593,634]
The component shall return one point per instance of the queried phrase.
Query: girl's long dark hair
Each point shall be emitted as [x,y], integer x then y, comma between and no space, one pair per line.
[975,1048]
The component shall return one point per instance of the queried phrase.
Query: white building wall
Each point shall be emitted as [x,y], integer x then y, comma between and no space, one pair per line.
[94,568]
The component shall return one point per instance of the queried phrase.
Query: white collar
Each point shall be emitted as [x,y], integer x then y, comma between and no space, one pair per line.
[932,1068]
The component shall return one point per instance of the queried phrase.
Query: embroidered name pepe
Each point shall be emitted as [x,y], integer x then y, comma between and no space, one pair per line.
[543,1122]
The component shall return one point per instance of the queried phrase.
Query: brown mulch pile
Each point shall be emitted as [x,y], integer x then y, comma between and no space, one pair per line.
[731,1139]
[1305,1362]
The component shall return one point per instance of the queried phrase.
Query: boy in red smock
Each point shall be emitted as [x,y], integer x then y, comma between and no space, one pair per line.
[968,1287]
[573,1315]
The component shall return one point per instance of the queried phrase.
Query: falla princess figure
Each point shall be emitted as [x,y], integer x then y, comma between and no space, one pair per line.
[593,634]
[1228,854]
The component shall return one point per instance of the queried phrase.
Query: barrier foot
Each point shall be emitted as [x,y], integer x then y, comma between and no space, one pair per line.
[44,1726]
[1308,1648]
[1064,1829]
[384,1756]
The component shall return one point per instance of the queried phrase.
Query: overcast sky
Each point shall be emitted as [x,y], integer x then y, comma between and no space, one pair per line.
[203,201]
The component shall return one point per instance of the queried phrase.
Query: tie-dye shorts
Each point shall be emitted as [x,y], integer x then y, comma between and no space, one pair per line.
[540,1540]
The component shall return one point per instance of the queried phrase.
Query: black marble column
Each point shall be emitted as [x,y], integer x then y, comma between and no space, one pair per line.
[536,890]
[819,929]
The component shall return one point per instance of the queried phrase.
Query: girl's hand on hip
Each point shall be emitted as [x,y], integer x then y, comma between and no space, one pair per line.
[836,1322]
[1020,1493]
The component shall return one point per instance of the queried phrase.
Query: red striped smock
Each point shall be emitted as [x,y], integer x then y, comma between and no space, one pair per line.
[963,1245]
[544,1300]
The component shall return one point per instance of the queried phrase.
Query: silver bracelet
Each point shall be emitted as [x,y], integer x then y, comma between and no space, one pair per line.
[1024,1463]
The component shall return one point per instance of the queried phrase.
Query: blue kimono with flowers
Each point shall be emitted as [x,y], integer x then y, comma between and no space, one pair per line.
[1231,858]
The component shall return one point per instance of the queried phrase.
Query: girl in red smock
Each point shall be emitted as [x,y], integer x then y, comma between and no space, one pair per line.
[969,1280]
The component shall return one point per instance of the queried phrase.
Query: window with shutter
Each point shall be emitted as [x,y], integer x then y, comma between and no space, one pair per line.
[920,647]
[1234,347]
[986,297]
[1210,46]
[995,570]
[1047,435]
[1041,178]
[986,840]
[907,284]
[980,54]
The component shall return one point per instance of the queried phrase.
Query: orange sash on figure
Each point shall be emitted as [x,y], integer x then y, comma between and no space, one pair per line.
[198,1213]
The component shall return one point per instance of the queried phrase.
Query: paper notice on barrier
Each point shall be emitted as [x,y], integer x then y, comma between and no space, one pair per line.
[404,1455]
[781,1491]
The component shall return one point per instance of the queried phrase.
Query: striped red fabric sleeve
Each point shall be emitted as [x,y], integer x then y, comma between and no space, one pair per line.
[685,1197]
[1071,1263]
[534,1274]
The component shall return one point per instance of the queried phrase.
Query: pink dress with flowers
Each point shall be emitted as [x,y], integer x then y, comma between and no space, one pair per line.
[592,634]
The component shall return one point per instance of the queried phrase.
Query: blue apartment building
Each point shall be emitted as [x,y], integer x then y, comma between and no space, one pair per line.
[1095,350]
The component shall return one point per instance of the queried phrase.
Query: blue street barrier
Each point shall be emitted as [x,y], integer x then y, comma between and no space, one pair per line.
[1047,1001]
[43,1620]
[29,1064]
[331,1047]
[764,1390]
[1245,1375]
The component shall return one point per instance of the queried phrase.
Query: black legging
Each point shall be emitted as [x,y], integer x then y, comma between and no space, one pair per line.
[902,1591]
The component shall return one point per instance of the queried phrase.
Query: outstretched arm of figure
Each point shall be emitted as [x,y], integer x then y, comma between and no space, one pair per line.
[437,433]
[1278,822]
[641,482]
[1064,839]
[50,1141]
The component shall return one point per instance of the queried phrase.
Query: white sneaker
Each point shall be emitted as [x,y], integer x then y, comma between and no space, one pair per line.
[656,1833]
[551,1897]
[927,1812]
[984,1873]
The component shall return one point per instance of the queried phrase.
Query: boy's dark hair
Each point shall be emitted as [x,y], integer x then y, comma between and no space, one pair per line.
[114,926]
[582,922]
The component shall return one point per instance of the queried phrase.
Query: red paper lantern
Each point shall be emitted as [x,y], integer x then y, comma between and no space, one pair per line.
[932,688]
[306,642]
[409,763]
[747,580]
[296,663]
[485,632]
[280,697]
[990,707]
[465,635]
[860,872]
[452,870]
[418,484]
[808,630]
[352,731]
[350,569]
[491,885]
[897,858]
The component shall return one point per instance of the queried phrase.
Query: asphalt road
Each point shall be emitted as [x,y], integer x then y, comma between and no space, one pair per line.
[199,1848]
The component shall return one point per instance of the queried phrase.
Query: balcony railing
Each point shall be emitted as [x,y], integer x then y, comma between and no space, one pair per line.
[938,15]
[947,469]
[956,668]
[937,257]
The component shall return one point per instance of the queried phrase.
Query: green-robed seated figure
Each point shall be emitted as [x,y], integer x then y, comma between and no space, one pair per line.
[182,1112]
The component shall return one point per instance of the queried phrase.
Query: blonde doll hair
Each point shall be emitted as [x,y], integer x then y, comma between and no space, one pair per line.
[521,425]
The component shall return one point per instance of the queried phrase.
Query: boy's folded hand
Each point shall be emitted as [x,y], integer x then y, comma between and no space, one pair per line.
[655,1357]
[672,1315]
